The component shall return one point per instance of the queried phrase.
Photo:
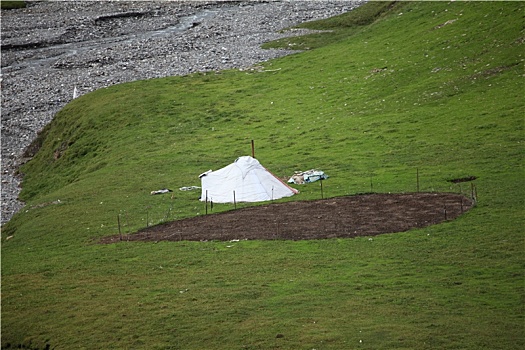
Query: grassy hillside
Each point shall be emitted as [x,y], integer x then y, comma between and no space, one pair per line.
[430,87]
[7,5]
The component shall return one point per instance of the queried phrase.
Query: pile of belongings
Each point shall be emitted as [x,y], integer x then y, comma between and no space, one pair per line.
[164,190]
[189,188]
[302,177]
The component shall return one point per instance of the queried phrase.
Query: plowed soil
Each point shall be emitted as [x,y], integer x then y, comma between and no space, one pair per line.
[346,217]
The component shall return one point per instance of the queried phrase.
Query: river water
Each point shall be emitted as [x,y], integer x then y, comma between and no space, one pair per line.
[45,57]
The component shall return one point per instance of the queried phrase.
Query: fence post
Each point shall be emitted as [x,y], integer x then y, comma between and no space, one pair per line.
[119,231]
[417,179]
[206,200]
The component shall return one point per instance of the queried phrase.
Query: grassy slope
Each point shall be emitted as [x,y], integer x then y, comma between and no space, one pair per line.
[450,103]
[7,5]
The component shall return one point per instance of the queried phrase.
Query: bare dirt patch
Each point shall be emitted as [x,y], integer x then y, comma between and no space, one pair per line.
[344,217]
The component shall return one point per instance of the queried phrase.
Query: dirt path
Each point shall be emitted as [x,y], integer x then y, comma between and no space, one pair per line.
[346,217]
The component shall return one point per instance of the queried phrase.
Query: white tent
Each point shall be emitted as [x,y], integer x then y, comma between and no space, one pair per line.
[245,180]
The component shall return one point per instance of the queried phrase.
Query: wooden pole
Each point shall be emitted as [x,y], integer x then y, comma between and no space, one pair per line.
[234,201]
[253,149]
[206,200]
[119,231]
[417,179]
[322,194]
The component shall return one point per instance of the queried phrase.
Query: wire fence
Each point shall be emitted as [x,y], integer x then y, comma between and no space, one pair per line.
[128,222]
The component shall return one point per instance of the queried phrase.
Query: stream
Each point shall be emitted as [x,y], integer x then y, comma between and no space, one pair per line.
[47,56]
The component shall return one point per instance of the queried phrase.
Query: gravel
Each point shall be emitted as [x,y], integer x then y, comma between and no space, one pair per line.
[51,48]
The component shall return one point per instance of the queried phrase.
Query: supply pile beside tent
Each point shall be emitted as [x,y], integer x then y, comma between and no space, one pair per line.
[245,180]
[302,177]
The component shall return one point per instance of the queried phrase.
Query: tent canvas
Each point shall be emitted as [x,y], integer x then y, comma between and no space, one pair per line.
[246,179]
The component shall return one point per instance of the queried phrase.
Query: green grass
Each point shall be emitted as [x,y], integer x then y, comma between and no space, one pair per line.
[391,91]
[7,5]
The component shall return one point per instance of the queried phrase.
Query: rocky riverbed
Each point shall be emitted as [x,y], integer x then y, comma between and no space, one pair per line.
[52,49]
